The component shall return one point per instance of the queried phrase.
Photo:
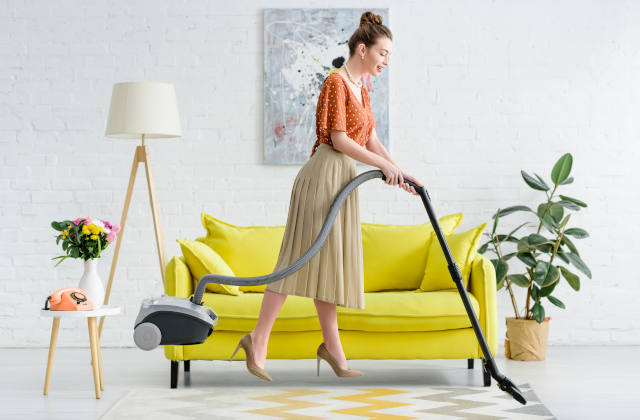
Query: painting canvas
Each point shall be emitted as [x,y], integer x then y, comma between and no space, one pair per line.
[301,47]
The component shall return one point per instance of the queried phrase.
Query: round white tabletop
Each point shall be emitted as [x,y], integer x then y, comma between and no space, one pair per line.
[102,311]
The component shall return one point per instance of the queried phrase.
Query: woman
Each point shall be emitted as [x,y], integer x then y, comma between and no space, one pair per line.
[334,276]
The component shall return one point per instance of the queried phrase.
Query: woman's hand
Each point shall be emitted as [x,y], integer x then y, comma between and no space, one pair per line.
[392,173]
[395,176]
[408,187]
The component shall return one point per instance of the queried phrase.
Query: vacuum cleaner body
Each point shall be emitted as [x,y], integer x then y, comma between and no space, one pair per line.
[172,320]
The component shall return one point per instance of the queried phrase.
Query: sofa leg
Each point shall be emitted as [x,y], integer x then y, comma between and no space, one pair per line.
[174,374]
[187,365]
[485,373]
[469,363]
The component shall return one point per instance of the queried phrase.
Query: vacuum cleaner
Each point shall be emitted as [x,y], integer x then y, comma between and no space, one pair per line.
[170,320]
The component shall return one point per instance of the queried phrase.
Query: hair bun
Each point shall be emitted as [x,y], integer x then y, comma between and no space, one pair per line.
[370,18]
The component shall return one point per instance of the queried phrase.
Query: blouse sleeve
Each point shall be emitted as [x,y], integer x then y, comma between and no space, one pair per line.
[331,112]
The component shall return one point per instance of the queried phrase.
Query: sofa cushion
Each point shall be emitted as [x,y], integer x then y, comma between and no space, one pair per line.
[400,310]
[463,247]
[203,260]
[395,256]
[248,250]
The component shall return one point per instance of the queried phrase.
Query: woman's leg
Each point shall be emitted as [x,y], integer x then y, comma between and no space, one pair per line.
[271,304]
[328,317]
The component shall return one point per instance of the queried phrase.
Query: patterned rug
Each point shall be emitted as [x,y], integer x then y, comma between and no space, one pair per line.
[333,402]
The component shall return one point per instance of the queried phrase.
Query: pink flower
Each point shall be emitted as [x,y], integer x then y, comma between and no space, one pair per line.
[115,228]
[79,219]
[111,236]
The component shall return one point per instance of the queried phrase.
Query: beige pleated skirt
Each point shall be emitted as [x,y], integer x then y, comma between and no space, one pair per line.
[335,274]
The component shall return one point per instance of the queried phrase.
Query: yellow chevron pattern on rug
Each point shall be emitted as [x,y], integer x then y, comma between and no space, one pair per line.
[288,403]
[372,403]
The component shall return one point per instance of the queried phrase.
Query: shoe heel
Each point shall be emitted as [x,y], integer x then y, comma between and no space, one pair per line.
[318,365]
[234,353]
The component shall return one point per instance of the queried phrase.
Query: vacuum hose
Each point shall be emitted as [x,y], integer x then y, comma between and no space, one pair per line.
[304,258]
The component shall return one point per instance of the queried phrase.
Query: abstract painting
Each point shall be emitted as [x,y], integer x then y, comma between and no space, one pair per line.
[301,47]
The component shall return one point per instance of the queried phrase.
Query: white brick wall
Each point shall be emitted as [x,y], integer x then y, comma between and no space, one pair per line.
[479,91]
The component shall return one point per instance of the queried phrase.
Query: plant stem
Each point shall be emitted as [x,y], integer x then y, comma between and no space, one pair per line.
[498,250]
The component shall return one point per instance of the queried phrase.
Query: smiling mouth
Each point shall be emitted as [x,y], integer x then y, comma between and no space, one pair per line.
[380,68]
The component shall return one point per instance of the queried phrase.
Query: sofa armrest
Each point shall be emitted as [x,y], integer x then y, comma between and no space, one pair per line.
[482,284]
[177,278]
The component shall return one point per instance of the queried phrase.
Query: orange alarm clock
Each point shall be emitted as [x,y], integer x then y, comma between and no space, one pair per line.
[69,299]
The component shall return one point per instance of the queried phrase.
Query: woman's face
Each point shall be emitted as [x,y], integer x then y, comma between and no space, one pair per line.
[377,57]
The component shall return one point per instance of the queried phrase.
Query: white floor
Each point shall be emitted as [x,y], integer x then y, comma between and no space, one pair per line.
[574,382]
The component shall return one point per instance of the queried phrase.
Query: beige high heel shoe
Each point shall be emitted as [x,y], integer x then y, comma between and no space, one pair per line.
[323,353]
[245,343]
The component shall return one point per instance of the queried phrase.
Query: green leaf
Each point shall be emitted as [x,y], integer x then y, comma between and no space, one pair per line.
[483,248]
[495,222]
[557,212]
[552,276]
[580,265]
[538,312]
[75,253]
[58,226]
[519,280]
[568,204]
[525,246]
[509,210]
[567,181]
[536,239]
[572,279]
[527,258]
[501,268]
[535,292]
[541,181]
[572,247]
[573,200]
[564,221]
[556,302]
[562,168]
[500,284]
[561,254]
[547,290]
[577,233]
[540,272]
[533,183]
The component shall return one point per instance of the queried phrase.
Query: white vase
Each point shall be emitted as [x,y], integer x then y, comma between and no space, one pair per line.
[91,283]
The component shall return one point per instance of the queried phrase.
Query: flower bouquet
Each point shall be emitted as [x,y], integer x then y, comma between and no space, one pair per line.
[86,238]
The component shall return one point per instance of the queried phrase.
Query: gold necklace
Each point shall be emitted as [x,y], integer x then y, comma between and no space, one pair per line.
[349,74]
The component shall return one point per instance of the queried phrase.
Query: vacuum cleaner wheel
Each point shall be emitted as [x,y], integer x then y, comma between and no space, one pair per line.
[147,336]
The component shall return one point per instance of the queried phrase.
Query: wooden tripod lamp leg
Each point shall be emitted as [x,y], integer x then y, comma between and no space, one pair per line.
[141,156]
[162,255]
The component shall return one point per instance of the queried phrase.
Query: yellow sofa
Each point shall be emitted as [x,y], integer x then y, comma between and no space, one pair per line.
[395,324]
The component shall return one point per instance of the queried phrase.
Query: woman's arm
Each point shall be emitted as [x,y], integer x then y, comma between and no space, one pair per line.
[342,143]
[375,145]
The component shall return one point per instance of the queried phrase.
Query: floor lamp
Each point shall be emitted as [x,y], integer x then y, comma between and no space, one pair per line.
[141,110]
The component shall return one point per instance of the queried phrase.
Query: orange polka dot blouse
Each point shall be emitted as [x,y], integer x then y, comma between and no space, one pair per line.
[339,109]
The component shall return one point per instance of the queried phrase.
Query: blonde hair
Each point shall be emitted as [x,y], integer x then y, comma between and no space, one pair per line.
[370,29]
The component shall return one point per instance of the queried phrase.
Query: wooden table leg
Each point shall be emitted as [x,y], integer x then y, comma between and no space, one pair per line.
[99,359]
[93,334]
[52,351]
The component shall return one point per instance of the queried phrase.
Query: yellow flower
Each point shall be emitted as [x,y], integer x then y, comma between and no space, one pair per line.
[85,230]
[94,237]
[95,229]
[65,233]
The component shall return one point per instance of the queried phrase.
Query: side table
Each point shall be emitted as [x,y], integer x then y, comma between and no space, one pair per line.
[94,341]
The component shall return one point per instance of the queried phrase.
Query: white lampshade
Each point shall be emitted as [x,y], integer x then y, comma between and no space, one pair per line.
[147,108]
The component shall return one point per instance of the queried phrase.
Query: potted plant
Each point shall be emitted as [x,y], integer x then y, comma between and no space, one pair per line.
[542,253]
[86,238]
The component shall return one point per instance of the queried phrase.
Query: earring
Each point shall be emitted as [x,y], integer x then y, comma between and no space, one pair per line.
[363,57]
